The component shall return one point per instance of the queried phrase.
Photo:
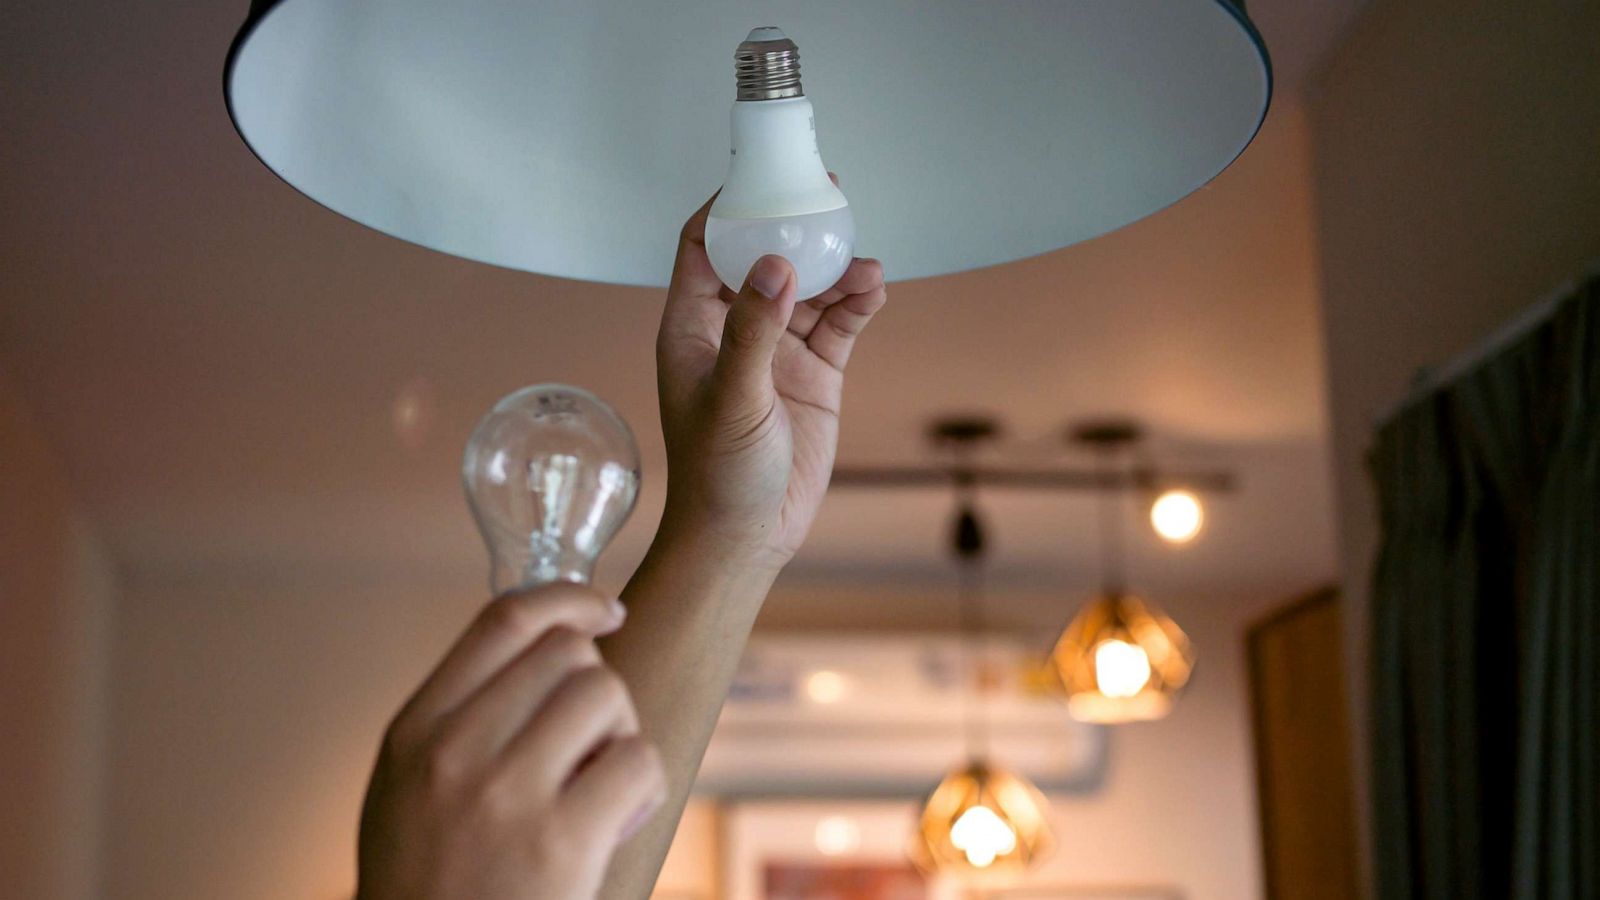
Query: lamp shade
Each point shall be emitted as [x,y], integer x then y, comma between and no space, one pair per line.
[573,138]
[1122,660]
[982,819]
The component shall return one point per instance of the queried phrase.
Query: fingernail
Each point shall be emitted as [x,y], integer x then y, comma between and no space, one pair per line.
[618,611]
[768,277]
[640,818]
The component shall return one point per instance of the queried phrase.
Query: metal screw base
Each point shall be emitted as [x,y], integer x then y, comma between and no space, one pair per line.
[767,66]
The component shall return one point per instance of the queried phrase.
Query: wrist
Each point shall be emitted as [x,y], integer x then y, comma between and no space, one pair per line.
[742,543]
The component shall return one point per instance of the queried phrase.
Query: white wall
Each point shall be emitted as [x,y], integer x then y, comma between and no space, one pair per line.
[1457,155]
[244,721]
[55,589]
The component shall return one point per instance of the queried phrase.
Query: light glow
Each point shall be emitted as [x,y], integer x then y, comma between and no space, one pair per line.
[982,835]
[837,836]
[826,686]
[1121,669]
[1177,516]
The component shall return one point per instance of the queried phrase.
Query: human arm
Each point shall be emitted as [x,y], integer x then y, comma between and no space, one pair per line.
[750,387]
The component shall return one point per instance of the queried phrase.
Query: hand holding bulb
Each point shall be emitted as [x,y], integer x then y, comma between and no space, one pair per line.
[751,373]
[750,387]
[517,767]
[750,384]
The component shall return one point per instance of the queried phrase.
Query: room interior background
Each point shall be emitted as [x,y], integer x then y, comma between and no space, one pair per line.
[206,632]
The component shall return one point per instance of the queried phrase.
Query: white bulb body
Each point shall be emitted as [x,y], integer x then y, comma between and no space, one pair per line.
[778,199]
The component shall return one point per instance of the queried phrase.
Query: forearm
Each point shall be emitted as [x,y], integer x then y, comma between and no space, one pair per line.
[690,609]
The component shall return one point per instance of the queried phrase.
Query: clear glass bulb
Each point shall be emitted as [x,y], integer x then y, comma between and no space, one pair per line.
[777,197]
[551,473]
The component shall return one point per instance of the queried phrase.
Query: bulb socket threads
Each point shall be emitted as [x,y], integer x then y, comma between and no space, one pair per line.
[767,66]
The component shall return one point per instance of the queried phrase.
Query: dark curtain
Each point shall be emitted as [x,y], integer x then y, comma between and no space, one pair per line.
[1486,634]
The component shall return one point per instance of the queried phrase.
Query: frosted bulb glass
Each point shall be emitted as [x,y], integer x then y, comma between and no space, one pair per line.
[1121,669]
[1177,516]
[818,245]
[777,197]
[551,473]
[982,835]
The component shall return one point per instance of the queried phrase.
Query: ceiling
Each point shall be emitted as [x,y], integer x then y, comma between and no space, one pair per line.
[244,385]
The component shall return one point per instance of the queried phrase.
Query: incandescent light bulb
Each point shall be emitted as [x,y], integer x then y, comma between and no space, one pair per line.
[551,473]
[982,835]
[1121,669]
[777,197]
[1177,516]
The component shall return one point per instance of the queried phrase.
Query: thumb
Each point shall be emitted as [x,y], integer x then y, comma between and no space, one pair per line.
[756,322]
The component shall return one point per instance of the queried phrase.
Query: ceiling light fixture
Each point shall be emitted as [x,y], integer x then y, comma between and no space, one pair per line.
[980,818]
[572,139]
[1121,659]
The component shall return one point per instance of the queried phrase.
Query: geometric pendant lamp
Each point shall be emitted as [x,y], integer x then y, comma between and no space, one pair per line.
[981,820]
[1121,659]
[573,138]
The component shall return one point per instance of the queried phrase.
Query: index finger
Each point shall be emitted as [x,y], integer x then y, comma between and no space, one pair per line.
[692,275]
[501,632]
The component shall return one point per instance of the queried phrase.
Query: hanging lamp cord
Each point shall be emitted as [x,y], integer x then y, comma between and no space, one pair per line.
[968,545]
[1113,576]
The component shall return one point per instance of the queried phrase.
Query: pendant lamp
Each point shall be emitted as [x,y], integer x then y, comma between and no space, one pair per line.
[981,819]
[573,139]
[1121,658]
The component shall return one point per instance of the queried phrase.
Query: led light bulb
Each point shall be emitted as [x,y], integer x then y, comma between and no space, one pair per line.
[551,473]
[777,197]
[1121,669]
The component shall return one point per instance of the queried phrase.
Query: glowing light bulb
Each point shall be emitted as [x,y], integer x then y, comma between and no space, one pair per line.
[551,473]
[777,197]
[1121,669]
[982,835]
[1177,516]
